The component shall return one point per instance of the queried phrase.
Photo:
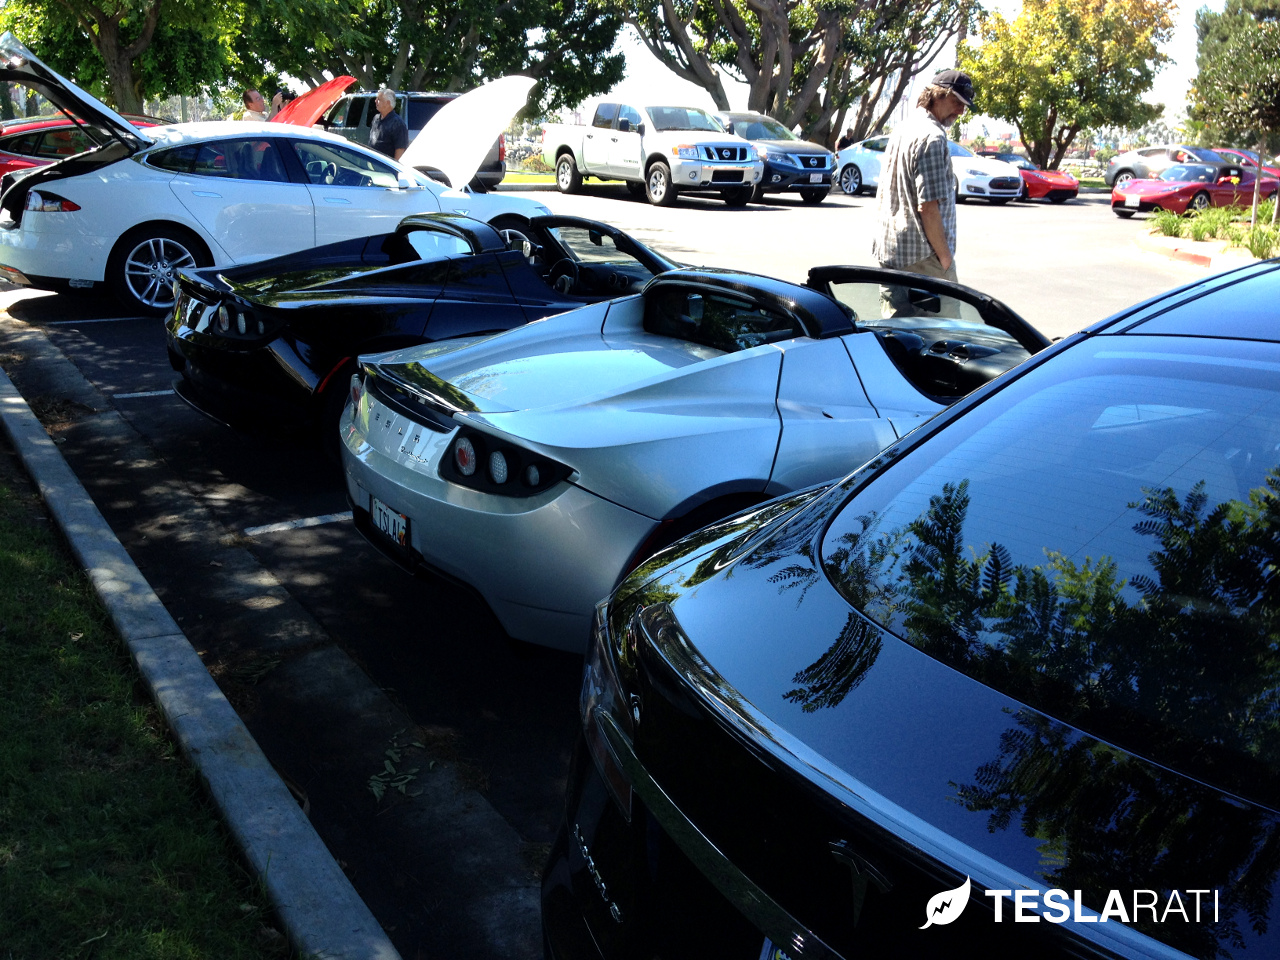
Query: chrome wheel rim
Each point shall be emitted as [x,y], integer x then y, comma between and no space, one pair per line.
[1123,179]
[1200,201]
[657,183]
[151,267]
[850,180]
[564,175]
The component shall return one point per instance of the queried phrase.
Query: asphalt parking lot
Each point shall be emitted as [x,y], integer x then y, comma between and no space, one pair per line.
[243,539]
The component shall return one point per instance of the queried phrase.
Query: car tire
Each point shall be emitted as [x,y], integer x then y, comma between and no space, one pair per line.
[658,187]
[140,270]
[1122,177]
[757,193]
[851,180]
[568,179]
[813,196]
[736,196]
[1122,214]
[513,229]
[635,188]
[1200,201]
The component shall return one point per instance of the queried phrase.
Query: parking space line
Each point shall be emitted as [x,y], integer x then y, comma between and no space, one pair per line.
[69,323]
[297,524]
[144,393]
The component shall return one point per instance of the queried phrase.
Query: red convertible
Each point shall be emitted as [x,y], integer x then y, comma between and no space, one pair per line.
[1190,186]
[1057,186]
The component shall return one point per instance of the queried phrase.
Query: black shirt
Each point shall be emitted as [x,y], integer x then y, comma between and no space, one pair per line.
[388,134]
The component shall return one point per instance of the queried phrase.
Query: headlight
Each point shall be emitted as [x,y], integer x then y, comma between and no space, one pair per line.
[976,173]
[685,151]
[760,152]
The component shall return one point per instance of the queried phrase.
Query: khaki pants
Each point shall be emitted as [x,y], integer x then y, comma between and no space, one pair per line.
[895,300]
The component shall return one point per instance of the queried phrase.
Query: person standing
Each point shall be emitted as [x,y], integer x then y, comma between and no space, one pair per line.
[916,201]
[255,108]
[846,140]
[388,134]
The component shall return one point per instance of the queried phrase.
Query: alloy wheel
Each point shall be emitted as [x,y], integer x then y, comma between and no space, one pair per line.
[150,269]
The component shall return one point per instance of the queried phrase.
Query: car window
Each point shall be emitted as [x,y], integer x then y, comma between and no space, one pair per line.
[337,114]
[881,307]
[56,144]
[428,243]
[1153,152]
[177,159]
[357,115]
[421,111]
[632,114]
[332,164]
[605,113]
[24,145]
[722,322]
[1094,541]
[248,159]
[877,145]
[957,150]
[1190,173]
[684,118]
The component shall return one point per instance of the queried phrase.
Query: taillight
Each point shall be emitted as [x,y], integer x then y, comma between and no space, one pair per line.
[357,393]
[49,203]
[502,148]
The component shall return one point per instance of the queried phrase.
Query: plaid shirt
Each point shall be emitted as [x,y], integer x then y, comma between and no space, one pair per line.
[916,169]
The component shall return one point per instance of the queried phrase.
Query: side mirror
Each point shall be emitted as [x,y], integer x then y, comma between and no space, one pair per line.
[624,125]
[925,300]
[596,237]
[404,183]
[640,129]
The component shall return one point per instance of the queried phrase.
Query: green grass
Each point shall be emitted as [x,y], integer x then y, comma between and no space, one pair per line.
[522,177]
[108,849]
[1094,182]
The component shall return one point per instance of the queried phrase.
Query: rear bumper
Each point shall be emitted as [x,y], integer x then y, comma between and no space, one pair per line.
[49,255]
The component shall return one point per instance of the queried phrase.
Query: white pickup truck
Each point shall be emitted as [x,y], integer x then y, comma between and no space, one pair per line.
[660,151]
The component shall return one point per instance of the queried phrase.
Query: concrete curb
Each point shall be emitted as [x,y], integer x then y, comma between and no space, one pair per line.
[321,912]
[1202,253]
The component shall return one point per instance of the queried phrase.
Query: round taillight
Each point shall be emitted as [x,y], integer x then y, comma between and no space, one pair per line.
[531,475]
[224,318]
[357,390]
[497,467]
[242,323]
[464,455]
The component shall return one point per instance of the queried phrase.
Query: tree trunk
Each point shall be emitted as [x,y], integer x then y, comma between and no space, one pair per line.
[6,101]
[1257,187]
[117,56]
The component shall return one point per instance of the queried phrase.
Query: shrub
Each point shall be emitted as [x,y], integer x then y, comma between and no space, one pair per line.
[1166,223]
[1200,228]
[1215,220]
[535,164]
[1262,241]
[1104,155]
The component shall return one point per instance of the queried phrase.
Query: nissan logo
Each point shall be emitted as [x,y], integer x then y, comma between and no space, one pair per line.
[726,154]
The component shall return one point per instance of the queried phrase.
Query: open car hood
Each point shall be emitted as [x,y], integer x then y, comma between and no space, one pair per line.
[308,108]
[20,65]
[457,139]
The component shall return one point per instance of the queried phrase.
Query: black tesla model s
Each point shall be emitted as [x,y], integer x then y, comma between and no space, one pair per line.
[1010,689]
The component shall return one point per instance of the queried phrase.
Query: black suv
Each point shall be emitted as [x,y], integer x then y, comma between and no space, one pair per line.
[353,113]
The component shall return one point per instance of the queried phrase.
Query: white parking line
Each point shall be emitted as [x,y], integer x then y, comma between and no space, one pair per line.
[145,393]
[69,323]
[297,524]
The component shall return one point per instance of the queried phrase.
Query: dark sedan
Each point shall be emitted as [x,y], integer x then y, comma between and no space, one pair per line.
[279,338]
[790,164]
[1010,689]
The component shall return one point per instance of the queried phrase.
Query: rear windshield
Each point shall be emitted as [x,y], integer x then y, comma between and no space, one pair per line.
[1099,540]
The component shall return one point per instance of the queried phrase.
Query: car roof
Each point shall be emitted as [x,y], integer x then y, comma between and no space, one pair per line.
[178,133]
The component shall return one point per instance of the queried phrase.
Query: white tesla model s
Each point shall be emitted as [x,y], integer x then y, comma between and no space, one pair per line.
[144,204]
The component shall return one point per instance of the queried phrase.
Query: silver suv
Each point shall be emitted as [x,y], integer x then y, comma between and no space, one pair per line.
[354,112]
[1147,163]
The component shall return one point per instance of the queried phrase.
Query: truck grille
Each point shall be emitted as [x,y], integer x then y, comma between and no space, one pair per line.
[813,162]
[726,153]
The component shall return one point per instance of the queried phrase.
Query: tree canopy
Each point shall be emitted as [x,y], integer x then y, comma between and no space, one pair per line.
[1236,93]
[1062,66]
[807,62]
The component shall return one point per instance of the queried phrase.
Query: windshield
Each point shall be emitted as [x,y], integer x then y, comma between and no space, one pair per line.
[684,118]
[1095,541]
[1190,173]
[762,128]
[957,150]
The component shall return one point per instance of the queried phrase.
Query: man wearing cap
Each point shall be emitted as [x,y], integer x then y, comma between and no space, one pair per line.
[916,200]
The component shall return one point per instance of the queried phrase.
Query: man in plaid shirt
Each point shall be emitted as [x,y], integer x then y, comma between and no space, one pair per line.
[916,199]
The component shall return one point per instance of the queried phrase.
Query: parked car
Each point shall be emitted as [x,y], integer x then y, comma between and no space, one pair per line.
[131,213]
[1146,163]
[1006,690]
[272,343]
[1056,186]
[658,151]
[1247,159]
[540,464]
[39,141]
[352,116]
[1189,186]
[790,164]
[859,165]
[982,177]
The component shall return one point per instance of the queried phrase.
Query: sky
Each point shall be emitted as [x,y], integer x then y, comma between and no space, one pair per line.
[649,81]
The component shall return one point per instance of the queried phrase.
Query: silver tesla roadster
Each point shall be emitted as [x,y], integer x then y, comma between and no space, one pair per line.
[542,464]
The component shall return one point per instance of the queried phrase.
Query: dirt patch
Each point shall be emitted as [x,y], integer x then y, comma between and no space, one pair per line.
[58,411]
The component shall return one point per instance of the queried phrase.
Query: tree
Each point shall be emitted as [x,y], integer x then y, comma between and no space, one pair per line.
[1237,91]
[805,63]
[435,44]
[122,51]
[1062,66]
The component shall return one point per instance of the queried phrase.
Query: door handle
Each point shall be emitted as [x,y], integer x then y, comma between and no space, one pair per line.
[206,193]
[336,200]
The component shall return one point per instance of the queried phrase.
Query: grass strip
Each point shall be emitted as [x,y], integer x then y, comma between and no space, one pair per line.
[108,848]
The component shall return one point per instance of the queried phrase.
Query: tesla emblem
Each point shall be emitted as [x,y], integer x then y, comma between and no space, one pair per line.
[863,874]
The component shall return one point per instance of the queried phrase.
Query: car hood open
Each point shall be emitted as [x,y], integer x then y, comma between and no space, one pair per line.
[306,109]
[20,65]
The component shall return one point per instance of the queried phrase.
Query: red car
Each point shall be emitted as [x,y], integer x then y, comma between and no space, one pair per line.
[1056,186]
[1247,159]
[1189,186]
[37,141]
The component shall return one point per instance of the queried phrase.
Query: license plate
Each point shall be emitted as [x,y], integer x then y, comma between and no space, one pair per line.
[815,178]
[1132,201]
[387,521]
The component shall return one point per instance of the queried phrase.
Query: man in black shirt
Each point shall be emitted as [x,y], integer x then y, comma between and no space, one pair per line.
[387,133]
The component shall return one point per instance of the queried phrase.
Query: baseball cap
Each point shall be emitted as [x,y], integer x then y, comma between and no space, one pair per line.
[958,83]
